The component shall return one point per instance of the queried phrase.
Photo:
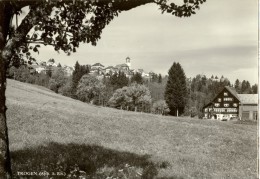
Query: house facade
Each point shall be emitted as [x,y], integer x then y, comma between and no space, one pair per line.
[228,104]
[248,108]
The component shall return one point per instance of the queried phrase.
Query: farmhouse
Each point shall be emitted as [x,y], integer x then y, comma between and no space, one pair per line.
[228,104]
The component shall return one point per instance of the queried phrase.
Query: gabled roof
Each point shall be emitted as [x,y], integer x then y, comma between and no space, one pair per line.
[243,98]
[232,91]
[98,64]
[248,98]
[207,105]
[121,65]
[110,67]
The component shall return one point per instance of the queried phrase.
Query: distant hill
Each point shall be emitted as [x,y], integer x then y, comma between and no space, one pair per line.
[193,148]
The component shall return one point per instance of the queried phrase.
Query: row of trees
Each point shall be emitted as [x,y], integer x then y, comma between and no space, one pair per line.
[116,90]
[245,87]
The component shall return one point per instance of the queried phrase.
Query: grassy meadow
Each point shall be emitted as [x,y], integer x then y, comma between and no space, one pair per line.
[45,128]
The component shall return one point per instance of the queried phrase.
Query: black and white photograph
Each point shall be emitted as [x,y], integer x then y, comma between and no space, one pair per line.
[129,89]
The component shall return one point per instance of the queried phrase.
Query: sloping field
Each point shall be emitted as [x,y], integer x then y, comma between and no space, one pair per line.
[194,148]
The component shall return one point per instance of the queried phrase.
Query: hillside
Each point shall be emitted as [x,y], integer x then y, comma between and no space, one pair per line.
[193,148]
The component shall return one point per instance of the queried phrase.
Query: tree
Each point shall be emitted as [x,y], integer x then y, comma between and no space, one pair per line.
[66,88]
[131,97]
[120,99]
[88,88]
[237,86]
[246,87]
[140,96]
[154,77]
[255,89]
[157,90]
[160,78]
[118,80]
[57,80]
[51,60]
[79,71]
[62,25]
[175,91]
[42,79]
[160,107]
[137,78]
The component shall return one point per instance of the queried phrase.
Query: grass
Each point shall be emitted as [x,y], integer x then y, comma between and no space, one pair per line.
[191,148]
[89,160]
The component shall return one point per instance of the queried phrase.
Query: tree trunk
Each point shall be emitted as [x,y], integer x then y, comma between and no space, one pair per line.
[177,112]
[5,164]
[6,52]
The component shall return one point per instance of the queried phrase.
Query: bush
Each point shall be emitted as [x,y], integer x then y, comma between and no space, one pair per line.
[135,97]
[160,107]
[66,89]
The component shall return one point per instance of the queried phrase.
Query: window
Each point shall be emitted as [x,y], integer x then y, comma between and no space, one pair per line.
[228,99]
[225,94]
[219,99]
[217,104]
[232,110]
[235,104]
[226,105]
[206,109]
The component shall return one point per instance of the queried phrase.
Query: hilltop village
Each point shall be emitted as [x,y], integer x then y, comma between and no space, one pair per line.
[96,69]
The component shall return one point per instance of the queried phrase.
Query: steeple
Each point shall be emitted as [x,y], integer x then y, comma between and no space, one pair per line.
[128,62]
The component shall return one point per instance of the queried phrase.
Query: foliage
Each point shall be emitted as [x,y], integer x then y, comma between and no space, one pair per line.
[42,79]
[157,90]
[118,80]
[160,78]
[160,107]
[57,80]
[185,10]
[134,97]
[78,72]
[120,99]
[237,86]
[246,87]
[89,87]
[175,91]
[22,73]
[107,91]
[255,89]
[66,89]
[51,60]
[137,78]
[11,72]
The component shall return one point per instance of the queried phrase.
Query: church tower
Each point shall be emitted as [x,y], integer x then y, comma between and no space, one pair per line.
[128,62]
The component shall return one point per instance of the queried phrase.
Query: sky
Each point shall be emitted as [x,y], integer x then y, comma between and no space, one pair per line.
[220,39]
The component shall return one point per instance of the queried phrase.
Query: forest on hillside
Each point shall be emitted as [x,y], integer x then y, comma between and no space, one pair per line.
[134,93]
